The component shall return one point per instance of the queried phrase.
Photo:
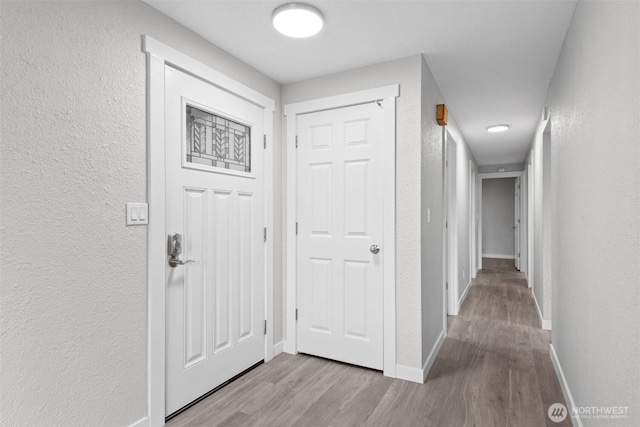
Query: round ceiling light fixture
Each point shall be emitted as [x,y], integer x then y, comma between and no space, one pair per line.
[498,128]
[297,20]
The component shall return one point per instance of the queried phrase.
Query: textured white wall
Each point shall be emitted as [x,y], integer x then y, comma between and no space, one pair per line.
[498,214]
[74,292]
[432,198]
[594,101]
[431,193]
[407,73]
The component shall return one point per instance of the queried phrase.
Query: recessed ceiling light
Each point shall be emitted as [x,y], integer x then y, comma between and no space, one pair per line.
[297,20]
[498,128]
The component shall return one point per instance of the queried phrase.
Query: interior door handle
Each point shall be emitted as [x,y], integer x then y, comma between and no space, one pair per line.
[374,249]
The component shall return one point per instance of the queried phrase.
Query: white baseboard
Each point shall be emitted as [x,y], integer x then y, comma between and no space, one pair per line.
[278,348]
[408,373]
[142,422]
[288,347]
[498,256]
[418,375]
[565,387]
[464,295]
[546,324]
[432,356]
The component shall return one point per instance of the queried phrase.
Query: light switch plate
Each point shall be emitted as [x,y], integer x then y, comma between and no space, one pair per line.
[137,213]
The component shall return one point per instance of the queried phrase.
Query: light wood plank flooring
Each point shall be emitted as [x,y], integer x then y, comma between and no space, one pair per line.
[493,370]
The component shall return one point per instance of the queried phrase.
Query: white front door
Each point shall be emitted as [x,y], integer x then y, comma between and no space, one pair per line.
[340,231]
[214,200]
[516,228]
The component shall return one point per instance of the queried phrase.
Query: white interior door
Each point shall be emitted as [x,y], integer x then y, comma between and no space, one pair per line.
[214,199]
[340,224]
[517,224]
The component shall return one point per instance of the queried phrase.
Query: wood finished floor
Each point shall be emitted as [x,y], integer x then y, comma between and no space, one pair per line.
[493,370]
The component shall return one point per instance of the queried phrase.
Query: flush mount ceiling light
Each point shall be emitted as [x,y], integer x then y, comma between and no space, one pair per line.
[498,128]
[297,20]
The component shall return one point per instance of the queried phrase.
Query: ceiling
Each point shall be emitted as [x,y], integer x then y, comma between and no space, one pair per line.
[492,60]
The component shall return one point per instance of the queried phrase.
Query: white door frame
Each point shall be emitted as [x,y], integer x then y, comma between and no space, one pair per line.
[530,220]
[524,224]
[473,179]
[385,96]
[450,224]
[517,249]
[492,175]
[160,55]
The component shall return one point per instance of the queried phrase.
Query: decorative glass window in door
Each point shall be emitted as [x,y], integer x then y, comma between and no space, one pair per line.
[216,141]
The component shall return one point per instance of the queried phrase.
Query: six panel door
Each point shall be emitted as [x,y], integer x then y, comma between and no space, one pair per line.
[340,222]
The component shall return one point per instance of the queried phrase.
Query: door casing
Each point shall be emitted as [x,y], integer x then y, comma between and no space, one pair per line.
[473,215]
[530,220]
[450,226]
[494,175]
[386,97]
[159,56]
[517,234]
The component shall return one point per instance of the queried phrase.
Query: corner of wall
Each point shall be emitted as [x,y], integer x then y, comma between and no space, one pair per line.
[544,323]
[464,294]
[428,363]
[564,385]
[433,314]
[142,422]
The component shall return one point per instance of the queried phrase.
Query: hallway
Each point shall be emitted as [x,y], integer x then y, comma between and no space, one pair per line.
[492,370]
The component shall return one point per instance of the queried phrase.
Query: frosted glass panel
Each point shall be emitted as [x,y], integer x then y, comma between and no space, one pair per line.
[218,142]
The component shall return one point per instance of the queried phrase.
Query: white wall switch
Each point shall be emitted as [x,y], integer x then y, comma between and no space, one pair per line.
[137,213]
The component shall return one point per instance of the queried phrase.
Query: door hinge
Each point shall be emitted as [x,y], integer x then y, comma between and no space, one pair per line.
[446,224]
[265,141]
[296,314]
[265,234]
[265,327]
[296,141]
[446,286]
[518,254]
[296,228]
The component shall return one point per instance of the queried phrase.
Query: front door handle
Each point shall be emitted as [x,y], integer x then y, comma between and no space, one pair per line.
[174,248]
[174,261]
